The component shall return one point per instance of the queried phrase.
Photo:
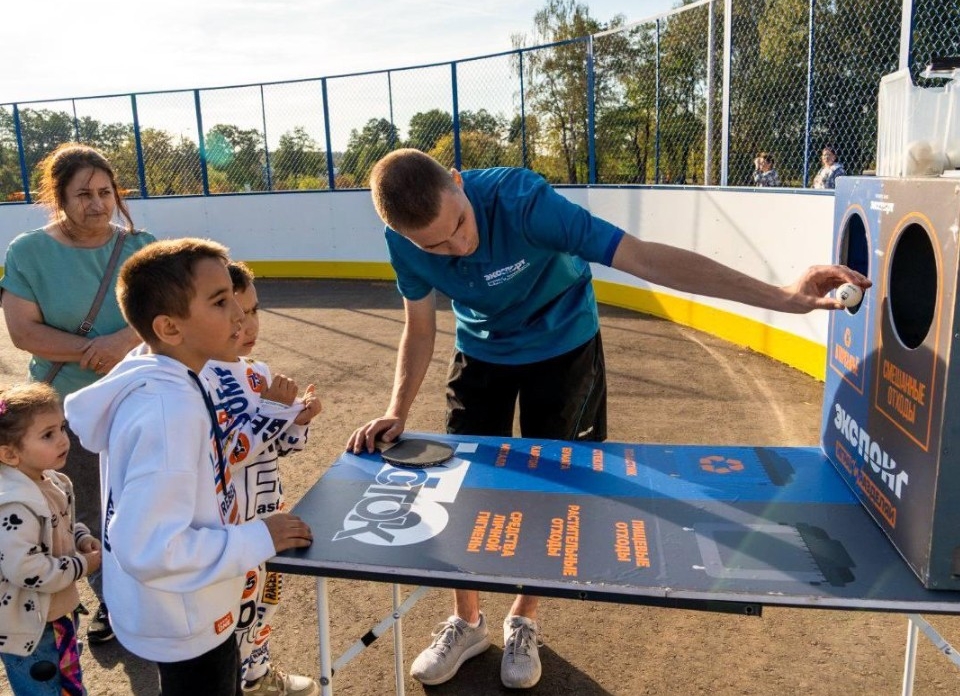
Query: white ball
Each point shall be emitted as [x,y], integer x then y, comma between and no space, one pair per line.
[849,294]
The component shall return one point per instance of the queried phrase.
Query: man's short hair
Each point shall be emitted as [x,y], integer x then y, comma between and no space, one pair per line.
[158,280]
[406,187]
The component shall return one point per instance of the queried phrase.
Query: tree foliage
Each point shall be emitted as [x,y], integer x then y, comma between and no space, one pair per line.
[298,162]
[427,127]
[558,84]
[365,146]
[236,158]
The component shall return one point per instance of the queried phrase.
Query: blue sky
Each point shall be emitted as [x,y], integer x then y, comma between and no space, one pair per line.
[63,48]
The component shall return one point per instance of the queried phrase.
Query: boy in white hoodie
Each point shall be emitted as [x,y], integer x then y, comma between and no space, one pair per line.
[175,558]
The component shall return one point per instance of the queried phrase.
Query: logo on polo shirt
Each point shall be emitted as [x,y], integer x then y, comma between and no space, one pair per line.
[404,506]
[506,273]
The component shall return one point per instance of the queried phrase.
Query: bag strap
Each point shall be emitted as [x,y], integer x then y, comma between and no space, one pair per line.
[87,324]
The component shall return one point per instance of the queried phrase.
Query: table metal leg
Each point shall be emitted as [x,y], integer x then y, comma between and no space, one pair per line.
[910,658]
[328,667]
[398,642]
[918,623]
[323,618]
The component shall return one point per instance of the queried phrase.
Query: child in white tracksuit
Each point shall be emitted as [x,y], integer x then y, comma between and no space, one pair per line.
[262,421]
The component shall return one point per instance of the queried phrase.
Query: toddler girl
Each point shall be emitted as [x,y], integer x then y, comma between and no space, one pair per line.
[42,552]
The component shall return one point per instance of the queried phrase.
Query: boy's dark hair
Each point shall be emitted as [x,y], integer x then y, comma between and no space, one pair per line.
[766,157]
[19,405]
[158,279]
[406,187]
[240,275]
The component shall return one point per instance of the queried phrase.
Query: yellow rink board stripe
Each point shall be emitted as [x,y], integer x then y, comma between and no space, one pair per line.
[360,270]
[798,352]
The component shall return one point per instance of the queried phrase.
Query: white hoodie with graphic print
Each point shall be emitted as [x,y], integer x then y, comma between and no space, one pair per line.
[174,561]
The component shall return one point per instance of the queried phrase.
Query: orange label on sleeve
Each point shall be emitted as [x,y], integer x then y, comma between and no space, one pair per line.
[224,623]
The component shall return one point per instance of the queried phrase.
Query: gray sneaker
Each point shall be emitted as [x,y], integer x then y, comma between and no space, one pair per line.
[520,667]
[453,644]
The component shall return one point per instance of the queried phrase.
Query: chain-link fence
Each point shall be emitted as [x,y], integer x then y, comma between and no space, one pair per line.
[663,101]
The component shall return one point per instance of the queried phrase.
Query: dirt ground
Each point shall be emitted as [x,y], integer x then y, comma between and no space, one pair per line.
[668,384]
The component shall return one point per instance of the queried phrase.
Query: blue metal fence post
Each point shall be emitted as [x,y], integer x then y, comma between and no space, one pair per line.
[457,161]
[331,175]
[24,174]
[266,146]
[138,144]
[523,117]
[591,117]
[203,145]
[807,136]
[656,107]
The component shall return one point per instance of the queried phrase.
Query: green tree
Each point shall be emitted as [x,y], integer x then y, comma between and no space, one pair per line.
[171,164]
[625,144]
[478,150]
[427,127]
[298,162]
[683,94]
[108,138]
[42,130]
[365,147]
[557,83]
[522,136]
[626,118]
[482,121]
[11,183]
[239,155]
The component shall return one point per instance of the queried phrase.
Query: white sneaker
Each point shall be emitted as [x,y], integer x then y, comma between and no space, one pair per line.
[278,683]
[520,667]
[454,643]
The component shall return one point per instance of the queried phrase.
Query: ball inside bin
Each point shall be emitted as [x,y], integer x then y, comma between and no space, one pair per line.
[924,157]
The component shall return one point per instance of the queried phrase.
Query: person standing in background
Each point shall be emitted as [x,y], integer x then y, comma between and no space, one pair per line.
[826,178]
[763,172]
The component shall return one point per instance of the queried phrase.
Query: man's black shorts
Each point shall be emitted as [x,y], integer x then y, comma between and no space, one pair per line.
[563,398]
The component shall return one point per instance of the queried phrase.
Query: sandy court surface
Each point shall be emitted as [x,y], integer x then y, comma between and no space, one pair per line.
[668,384]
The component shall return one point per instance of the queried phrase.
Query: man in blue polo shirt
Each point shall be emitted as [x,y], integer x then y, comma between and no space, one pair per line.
[513,255]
